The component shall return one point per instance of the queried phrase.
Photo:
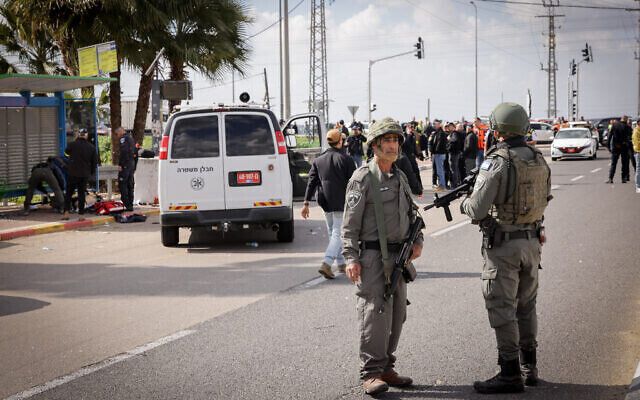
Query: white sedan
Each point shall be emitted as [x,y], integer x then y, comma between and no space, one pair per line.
[574,143]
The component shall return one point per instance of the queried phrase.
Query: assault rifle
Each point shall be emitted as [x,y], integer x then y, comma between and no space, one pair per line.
[402,259]
[445,200]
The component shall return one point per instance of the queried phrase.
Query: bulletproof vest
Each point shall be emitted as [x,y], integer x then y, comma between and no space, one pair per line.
[526,202]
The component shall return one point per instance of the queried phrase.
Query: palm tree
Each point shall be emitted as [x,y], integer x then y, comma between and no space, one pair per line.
[30,44]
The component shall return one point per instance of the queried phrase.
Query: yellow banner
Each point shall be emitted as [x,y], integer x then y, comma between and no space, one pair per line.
[87,61]
[107,57]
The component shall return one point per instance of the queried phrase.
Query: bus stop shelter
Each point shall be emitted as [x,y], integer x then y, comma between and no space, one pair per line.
[36,121]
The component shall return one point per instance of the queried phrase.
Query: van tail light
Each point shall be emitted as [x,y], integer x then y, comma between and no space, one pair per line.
[164,148]
[282,145]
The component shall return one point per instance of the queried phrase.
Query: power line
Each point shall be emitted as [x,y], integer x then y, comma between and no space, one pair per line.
[277,21]
[528,3]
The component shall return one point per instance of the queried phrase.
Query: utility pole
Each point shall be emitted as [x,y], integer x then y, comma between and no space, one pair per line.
[476,9]
[266,89]
[285,53]
[637,57]
[552,67]
[318,87]
[281,83]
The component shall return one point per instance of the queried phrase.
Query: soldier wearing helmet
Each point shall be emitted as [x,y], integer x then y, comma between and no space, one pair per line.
[377,218]
[508,200]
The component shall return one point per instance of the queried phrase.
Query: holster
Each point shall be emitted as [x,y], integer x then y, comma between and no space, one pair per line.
[491,233]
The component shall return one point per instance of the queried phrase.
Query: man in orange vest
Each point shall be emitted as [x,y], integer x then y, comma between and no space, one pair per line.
[480,129]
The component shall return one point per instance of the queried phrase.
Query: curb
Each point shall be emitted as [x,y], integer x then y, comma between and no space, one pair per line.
[634,388]
[63,226]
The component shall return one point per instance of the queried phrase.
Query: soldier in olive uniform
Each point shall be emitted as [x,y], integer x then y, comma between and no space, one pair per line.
[509,197]
[380,321]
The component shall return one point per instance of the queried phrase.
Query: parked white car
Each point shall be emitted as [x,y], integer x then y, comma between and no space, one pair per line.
[542,132]
[574,143]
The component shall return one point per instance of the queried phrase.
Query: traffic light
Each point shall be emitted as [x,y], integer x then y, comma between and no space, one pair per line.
[419,48]
[586,52]
[574,67]
[373,107]
[574,93]
[574,109]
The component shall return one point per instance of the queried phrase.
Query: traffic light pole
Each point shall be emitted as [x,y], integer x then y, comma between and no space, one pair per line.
[371,62]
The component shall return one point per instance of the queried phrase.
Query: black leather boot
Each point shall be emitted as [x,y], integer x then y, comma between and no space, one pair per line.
[528,367]
[509,380]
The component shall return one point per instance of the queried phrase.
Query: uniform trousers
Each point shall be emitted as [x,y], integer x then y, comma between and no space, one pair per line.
[510,289]
[125,183]
[75,183]
[35,182]
[379,332]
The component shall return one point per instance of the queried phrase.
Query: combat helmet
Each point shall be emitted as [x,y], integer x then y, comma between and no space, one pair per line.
[382,127]
[509,119]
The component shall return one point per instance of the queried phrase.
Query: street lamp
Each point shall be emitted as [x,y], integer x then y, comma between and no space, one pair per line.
[476,8]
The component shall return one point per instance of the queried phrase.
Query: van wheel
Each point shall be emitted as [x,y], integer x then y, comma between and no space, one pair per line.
[169,236]
[286,232]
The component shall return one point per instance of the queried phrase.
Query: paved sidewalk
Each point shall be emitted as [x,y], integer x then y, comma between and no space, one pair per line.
[45,220]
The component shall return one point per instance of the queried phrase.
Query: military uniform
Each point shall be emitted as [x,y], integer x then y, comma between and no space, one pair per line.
[379,331]
[513,186]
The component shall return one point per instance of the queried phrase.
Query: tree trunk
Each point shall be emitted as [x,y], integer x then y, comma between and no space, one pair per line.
[142,106]
[176,74]
[115,113]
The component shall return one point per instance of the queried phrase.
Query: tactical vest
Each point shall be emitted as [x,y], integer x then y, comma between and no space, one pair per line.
[527,202]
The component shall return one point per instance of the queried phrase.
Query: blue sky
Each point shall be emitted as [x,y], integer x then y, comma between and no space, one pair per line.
[511,47]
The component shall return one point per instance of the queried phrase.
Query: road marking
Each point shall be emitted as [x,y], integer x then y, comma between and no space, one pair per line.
[596,170]
[554,187]
[98,366]
[314,282]
[577,178]
[449,229]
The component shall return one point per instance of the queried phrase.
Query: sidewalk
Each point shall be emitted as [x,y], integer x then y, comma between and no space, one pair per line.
[45,220]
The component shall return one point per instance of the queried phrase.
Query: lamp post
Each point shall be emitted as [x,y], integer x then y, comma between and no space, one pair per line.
[476,40]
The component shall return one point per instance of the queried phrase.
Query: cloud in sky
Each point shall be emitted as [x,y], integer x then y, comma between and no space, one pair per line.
[511,48]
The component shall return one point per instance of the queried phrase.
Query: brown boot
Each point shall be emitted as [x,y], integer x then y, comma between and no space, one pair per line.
[375,385]
[325,270]
[393,379]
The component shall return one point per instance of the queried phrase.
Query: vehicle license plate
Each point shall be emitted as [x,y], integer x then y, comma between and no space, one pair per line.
[249,178]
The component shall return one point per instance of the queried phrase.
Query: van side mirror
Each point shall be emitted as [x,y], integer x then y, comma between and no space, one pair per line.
[291,140]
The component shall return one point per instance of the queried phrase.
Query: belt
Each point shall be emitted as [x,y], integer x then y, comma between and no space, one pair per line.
[375,245]
[526,234]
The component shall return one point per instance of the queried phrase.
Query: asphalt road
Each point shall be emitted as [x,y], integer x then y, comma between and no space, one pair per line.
[256,323]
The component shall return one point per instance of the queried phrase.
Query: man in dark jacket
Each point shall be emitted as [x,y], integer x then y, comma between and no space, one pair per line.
[438,149]
[354,144]
[470,150]
[618,142]
[50,172]
[410,150]
[329,175]
[126,166]
[455,143]
[403,163]
[83,161]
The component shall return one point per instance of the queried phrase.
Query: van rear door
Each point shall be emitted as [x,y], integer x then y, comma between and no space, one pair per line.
[191,177]
[252,171]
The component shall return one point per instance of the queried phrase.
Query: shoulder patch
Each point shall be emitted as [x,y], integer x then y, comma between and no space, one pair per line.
[486,164]
[360,173]
[353,198]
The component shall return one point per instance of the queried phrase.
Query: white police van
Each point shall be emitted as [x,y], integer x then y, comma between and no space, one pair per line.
[227,167]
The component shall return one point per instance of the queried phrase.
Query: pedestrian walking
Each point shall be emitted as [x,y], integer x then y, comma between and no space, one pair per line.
[377,219]
[509,198]
[83,161]
[329,175]
[126,167]
[618,146]
[354,144]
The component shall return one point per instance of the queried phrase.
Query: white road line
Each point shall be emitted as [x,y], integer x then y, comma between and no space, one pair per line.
[577,178]
[98,366]
[449,229]
[596,170]
[554,187]
[313,282]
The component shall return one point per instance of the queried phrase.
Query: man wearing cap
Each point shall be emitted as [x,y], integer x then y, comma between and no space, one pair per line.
[379,205]
[83,161]
[329,175]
